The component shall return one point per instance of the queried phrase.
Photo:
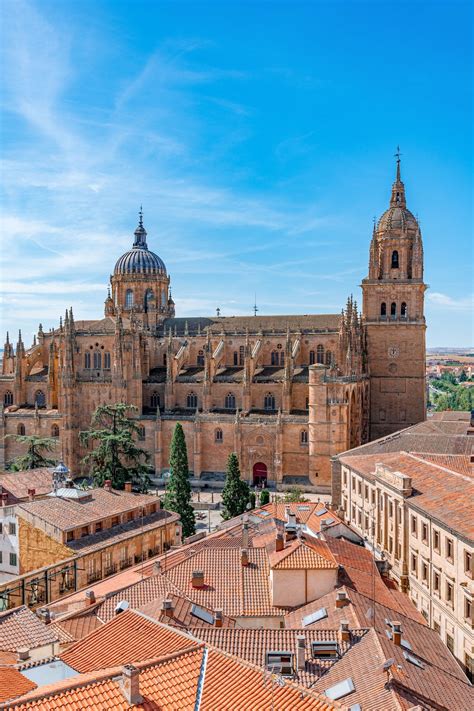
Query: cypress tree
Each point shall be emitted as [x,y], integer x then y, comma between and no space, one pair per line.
[178,491]
[236,493]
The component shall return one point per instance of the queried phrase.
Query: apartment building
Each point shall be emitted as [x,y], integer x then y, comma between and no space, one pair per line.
[416,511]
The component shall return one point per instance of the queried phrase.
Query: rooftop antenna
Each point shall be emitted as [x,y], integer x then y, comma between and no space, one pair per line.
[255,307]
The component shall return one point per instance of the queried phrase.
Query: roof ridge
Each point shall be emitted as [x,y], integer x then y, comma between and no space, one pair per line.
[439,466]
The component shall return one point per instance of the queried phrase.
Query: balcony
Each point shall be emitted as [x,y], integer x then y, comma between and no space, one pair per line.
[125,563]
[110,569]
[94,577]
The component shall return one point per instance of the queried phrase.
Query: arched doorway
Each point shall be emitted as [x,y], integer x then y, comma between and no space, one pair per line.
[260,473]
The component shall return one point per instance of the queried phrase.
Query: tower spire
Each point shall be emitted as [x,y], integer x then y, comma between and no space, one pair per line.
[140,233]
[398,189]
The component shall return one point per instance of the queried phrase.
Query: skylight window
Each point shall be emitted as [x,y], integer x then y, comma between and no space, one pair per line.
[314,617]
[355,707]
[321,512]
[303,508]
[339,690]
[202,614]
[413,660]
[280,663]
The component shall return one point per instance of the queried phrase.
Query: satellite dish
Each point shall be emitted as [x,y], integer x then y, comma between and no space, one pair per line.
[388,664]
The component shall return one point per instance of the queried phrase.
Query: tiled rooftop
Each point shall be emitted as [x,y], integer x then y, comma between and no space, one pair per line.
[16,484]
[20,627]
[193,678]
[129,637]
[446,495]
[13,684]
[66,514]
[303,554]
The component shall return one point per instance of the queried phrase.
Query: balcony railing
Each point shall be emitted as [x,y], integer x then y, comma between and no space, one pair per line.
[125,563]
[110,569]
[94,577]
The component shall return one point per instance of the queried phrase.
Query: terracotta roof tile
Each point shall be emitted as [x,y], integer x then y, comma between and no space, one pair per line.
[303,554]
[13,683]
[129,637]
[18,483]
[71,630]
[20,627]
[175,683]
[183,615]
[66,514]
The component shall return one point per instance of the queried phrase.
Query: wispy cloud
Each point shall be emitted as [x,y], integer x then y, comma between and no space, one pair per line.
[444,301]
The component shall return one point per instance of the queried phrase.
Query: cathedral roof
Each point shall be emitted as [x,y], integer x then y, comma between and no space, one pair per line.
[306,323]
[139,259]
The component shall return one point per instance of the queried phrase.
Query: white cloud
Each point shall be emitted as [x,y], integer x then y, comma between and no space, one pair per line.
[464,303]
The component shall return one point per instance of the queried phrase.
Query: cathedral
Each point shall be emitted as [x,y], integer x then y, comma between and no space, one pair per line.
[285,393]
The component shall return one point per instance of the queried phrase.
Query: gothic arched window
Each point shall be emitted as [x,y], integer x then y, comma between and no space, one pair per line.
[8,398]
[54,430]
[218,435]
[200,358]
[236,358]
[87,360]
[328,357]
[20,430]
[154,400]
[304,437]
[275,358]
[149,296]
[107,360]
[312,358]
[128,299]
[393,309]
[404,310]
[141,433]
[230,401]
[97,360]
[269,402]
[192,401]
[40,398]
[320,354]
[395,261]
[383,309]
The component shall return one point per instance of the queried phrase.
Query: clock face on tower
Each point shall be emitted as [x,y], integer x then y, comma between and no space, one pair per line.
[393,352]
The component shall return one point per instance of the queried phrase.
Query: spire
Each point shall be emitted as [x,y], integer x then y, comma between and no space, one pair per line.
[140,233]
[398,188]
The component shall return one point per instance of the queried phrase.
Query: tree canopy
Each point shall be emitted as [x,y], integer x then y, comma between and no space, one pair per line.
[178,490]
[34,457]
[236,492]
[115,454]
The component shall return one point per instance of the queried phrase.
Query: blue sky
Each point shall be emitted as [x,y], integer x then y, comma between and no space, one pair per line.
[259,137]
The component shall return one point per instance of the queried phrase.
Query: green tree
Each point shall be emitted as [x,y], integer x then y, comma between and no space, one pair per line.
[178,491]
[264,497]
[462,376]
[34,457]
[236,492]
[252,499]
[115,453]
[293,496]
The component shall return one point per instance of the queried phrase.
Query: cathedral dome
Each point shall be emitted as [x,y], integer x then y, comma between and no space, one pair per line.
[139,259]
[397,218]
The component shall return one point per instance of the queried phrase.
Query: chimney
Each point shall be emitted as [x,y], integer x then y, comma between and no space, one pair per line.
[108,485]
[397,633]
[167,608]
[90,597]
[131,684]
[341,599]
[244,557]
[245,535]
[218,617]
[157,567]
[31,494]
[45,615]
[128,487]
[344,631]
[301,652]
[197,580]
[279,542]
[23,654]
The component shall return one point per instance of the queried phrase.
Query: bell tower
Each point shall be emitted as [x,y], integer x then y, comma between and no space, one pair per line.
[393,313]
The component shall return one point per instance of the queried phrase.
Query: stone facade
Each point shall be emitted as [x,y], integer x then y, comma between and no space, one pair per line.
[284,392]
